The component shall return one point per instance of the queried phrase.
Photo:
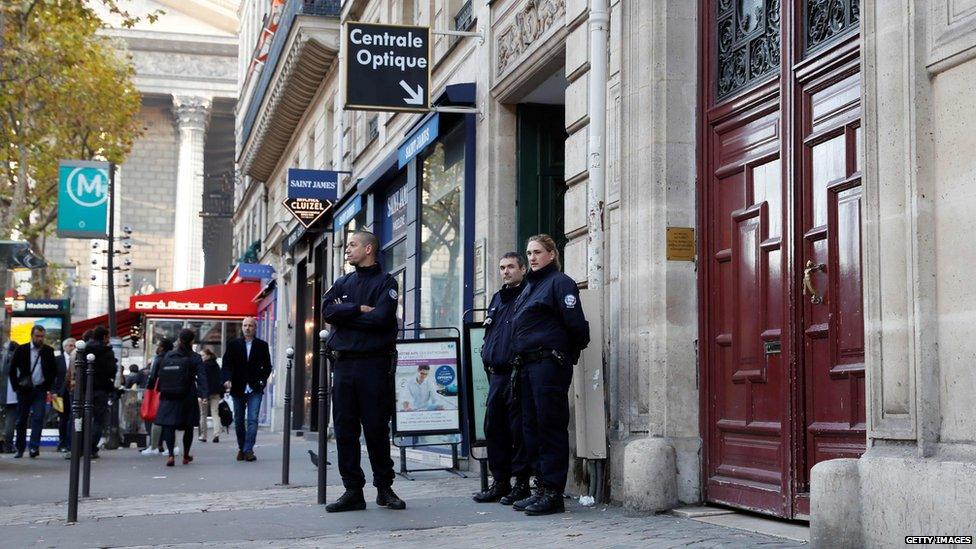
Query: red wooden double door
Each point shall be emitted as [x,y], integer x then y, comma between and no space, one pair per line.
[782,331]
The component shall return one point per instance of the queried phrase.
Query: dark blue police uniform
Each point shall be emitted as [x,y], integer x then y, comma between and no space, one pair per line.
[362,388]
[503,418]
[549,333]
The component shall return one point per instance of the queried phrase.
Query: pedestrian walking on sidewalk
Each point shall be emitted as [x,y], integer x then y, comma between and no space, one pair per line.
[155,447]
[182,381]
[246,367]
[8,398]
[32,375]
[215,391]
[103,383]
[503,416]
[361,309]
[549,333]
[64,385]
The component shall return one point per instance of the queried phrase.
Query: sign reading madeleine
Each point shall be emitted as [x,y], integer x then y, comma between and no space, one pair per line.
[427,387]
[387,67]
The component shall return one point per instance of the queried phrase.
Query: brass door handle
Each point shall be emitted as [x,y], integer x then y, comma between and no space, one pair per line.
[808,271]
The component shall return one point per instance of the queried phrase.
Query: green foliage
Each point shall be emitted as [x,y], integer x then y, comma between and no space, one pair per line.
[65,93]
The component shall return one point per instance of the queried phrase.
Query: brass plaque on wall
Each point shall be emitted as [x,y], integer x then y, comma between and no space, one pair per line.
[681,244]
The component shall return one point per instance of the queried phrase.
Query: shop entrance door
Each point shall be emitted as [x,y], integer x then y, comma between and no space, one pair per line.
[782,351]
[541,140]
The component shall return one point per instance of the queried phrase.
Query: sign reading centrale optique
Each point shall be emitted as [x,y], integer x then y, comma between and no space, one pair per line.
[387,67]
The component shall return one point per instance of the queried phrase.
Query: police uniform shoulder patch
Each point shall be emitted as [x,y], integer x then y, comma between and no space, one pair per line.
[570,301]
[487,321]
[393,294]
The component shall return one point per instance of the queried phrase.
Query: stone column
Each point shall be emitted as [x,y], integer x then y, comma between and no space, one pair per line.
[192,115]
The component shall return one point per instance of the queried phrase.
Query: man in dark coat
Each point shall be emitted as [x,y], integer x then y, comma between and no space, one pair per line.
[33,371]
[246,368]
[103,382]
[62,388]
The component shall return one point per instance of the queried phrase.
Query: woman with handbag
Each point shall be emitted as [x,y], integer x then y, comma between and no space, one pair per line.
[155,431]
[182,381]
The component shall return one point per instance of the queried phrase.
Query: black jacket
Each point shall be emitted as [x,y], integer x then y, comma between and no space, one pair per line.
[548,315]
[242,371]
[62,363]
[496,352]
[353,330]
[20,366]
[106,367]
[215,384]
[182,411]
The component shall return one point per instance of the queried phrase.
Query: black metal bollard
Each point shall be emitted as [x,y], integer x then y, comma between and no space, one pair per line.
[286,428]
[76,423]
[323,414]
[89,412]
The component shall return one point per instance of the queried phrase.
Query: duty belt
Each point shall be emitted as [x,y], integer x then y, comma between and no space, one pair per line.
[536,356]
[347,355]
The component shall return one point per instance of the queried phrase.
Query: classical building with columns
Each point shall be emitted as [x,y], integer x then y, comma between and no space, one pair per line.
[763,201]
[176,184]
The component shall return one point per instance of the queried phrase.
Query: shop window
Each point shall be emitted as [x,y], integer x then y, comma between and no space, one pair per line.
[441,253]
[144,282]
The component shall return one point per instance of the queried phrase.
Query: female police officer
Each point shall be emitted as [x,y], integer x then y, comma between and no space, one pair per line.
[549,331]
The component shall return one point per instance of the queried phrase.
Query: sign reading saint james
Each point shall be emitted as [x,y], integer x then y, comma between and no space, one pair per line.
[311,193]
[387,67]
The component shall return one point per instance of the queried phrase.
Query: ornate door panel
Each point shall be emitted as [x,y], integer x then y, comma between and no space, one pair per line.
[748,445]
[830,255]
[782,367]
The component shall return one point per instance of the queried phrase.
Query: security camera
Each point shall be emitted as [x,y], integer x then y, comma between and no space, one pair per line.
[94,278]
[127,262]
[126,245]
[94,245]
[127,229]
[94,262]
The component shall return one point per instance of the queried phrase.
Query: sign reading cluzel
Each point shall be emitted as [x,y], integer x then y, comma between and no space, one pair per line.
[387,67]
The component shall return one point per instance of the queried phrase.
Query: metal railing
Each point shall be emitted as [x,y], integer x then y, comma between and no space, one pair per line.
[464,18]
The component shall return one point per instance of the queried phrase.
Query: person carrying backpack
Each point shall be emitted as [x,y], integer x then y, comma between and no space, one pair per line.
[182,380]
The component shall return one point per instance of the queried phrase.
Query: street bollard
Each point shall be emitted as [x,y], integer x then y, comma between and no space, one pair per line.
[286,441]
[76,423]
[323,414]
[87,428]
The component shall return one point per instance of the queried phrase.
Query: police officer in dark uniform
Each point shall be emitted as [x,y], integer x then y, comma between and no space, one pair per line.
[361,308]
[503,417]
[549,333]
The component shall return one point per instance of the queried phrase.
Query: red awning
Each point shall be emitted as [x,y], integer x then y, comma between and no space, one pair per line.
[124,321]
[225,301]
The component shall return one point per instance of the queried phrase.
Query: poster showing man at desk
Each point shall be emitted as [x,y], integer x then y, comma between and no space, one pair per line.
[427,387]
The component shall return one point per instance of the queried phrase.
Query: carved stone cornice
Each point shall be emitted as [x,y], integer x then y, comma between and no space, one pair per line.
[531,21]
[192,112]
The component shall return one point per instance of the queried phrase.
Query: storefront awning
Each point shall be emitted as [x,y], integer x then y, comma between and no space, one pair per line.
[227,301]
[124,320]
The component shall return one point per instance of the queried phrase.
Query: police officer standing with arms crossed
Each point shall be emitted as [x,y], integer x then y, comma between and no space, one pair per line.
[549,333]
[503,417]
[361,309]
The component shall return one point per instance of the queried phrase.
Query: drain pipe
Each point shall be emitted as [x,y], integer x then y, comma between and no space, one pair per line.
[596,150]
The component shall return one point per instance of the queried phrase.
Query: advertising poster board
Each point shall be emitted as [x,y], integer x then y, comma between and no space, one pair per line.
[427,387]
[476,382]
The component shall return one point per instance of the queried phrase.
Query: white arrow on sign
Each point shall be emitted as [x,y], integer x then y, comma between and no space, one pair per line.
[416,97]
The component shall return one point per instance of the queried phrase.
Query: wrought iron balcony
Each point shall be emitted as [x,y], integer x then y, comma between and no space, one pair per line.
[292,9]
[465,17]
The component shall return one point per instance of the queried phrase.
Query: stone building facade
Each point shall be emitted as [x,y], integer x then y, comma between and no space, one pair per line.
[176,184]
[806,363]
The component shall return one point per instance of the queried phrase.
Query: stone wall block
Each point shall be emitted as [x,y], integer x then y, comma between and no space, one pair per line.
[649,471]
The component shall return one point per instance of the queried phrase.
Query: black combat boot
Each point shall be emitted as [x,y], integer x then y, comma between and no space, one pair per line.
[519,491]
[386,497]
[550,503]
[537,491]
[497,491]
[351,500]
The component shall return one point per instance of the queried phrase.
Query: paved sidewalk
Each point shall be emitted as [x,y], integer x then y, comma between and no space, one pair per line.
[219,502]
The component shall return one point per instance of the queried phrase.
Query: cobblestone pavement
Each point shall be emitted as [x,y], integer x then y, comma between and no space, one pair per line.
[141,508]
